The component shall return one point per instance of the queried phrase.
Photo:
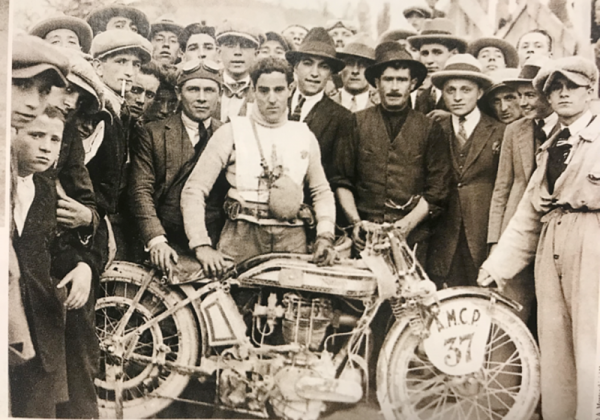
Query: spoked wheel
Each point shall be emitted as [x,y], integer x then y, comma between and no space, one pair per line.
[137,365]
[505,386]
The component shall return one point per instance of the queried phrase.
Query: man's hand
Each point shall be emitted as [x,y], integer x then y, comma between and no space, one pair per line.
[484,279]
[437,114]
[404,227]
[359,242]
[324,253]
[214,262]
[81,281]
[162,256]
[71,213]
[492,247]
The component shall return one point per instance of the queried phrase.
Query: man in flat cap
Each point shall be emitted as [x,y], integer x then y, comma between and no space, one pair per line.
[295,33]
[556,224]
[65,31]
[314,62]
[396,168]
[359,54]
[522,139]
[274,45]
[163,156]
[459,243]
[118,56]
[494,53]
[119,17]
[197,42]
[436,43]
[238,43]
[341,31]
[417,14]
[269,163]
[500,100]
[164,36]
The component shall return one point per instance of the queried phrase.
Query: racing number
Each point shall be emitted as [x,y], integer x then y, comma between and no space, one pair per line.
[456,347]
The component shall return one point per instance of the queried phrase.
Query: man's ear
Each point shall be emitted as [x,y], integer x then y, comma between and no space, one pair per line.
[413,84]
[97,64]
[454,51]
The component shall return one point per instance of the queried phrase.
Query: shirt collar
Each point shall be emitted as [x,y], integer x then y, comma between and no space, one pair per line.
[580,125]
[228,80]
[346,97]
[471,118]
[190,124]
[309,101]
[25,179]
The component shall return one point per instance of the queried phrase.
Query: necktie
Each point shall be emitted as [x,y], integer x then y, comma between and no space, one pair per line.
[462,133]
[539,134]
[353,104]
[557,156]
[298,110]
[202,138]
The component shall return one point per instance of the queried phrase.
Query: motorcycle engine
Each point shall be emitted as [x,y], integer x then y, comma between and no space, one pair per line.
[305,320]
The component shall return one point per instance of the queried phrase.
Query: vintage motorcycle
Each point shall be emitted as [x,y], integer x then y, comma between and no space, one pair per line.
[280,337]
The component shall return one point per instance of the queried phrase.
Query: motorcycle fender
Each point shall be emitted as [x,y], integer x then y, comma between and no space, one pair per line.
[223,321]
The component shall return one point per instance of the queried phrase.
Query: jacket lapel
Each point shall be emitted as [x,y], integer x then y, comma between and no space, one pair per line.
[449,130]
[480,138]
[175,136]
[526,142]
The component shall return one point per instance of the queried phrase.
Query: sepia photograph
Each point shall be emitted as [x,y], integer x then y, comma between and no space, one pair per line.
[301,210]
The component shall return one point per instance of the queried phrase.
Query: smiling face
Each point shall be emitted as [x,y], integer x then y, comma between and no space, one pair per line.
[394,86]
[118,68]
[491,58]
[568,100]
[237,55]
[434,56]
[505,105]
[201,47]
[461,96]
[312,74]
[142,94]
[65,38]
[533,105]
[165,47]
[272,92]
[121,22]
[37,145]
[198,98]
[29,97]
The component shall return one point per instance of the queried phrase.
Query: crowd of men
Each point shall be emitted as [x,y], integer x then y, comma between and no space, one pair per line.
[147,142]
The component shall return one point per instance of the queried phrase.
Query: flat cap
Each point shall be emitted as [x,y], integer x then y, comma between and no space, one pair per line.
[115,41]
[165,24]
[82,74]
[338,23]
[99,18]
[579,70]
[79,26]
[197,69]
[240,29]
[421,9]
[395,35]
[32,56]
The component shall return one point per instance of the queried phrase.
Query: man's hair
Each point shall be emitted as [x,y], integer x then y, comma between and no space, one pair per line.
[396,65]
[269,65]
[152,68]
[539,31]
[194,29]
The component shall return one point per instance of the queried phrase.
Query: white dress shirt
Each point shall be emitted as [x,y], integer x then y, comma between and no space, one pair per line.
[471,121]
[575,128]
[549,122]
[25,193]
[191,127]
[309,102]
[230,107]
[362,100]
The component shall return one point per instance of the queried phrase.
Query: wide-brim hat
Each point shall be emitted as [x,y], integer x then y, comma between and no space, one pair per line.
[98,18]
[511,57]
[79,26]
[439,31]
[395,35]
[361,46]
[118,40]
[392,52]
[165,25]
[500,79]
[579,70]
[461,66]
[317,42]
[32,56]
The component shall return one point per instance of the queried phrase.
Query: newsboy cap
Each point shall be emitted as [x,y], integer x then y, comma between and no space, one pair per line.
[197,69]
[439,31]
[82,74]
[240,29]
[79,26]
[32,56]
[99,18]
[165,24]
[421,9]
[115,41]
[579,70]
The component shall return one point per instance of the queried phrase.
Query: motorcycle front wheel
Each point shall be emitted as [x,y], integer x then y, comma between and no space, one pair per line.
[136,378]
[506,386]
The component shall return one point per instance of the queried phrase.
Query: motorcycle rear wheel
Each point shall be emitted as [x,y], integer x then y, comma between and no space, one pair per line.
[147,386]
[410,387]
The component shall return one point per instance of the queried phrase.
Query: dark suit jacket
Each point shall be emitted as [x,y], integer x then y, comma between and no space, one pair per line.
[470,196]
[330,122]
[425,103]
[158,154]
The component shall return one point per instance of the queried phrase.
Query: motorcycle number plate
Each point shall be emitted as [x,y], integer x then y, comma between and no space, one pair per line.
[458,336]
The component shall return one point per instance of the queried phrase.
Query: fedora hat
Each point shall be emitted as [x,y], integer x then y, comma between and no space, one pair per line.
[530,70]
[461,66]
[392,52]
[79,26]
[500,78]
[338,23]
[438,31]
[395,35]
[511,57]
[165,24]
[360,46]
[317,43]
[98,18]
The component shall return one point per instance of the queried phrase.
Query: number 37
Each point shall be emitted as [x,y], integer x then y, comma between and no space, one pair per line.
[456,346]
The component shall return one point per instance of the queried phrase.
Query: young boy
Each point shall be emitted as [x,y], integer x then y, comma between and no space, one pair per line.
[40,383]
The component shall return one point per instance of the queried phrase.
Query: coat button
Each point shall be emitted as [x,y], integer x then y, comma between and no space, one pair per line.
[459,185]
[556,257]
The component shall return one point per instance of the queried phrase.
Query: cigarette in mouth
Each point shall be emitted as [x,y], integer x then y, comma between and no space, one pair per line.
[123,89]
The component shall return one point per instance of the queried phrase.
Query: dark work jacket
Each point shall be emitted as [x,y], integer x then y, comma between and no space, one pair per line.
[159,152]
[378,170]
[470,195]
[425,103]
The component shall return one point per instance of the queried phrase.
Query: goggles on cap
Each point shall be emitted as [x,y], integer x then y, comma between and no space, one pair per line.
[193,65]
